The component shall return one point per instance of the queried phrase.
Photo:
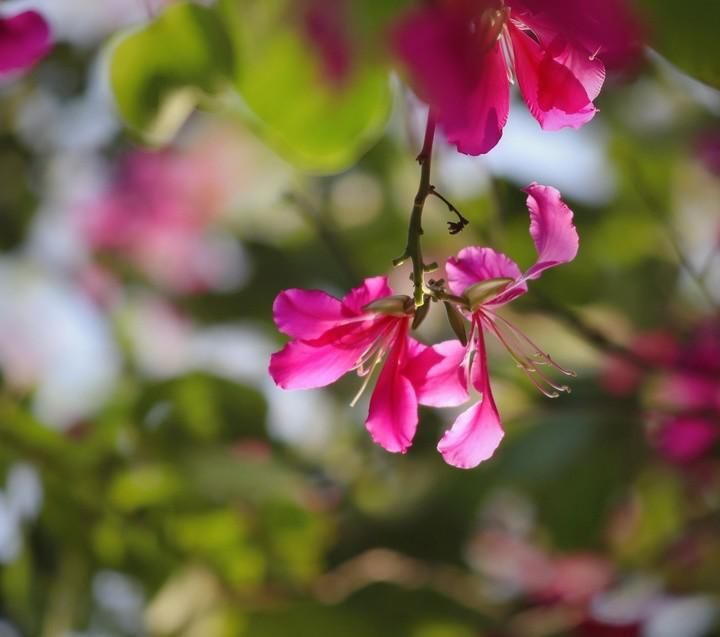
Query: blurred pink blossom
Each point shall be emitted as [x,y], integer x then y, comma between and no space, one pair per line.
[687,438]
[325,25]
[563,578]
[157,213]
[680,383]
[708,151]
[24,41]
[657,348]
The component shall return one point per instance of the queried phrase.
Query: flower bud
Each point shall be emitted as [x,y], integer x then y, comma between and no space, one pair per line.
[456,322]
[481,292]
[396,305]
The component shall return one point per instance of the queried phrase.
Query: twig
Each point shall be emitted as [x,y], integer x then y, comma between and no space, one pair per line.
[652,203]
[413,249]
[590,334]
[453,226]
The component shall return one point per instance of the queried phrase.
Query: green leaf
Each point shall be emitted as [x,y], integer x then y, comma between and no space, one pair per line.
[318,127]
[160,72]
[686,34]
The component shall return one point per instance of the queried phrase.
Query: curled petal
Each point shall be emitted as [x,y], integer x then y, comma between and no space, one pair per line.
[458,72]
[300,365]
[306,314]
[552,85]
[437,374]
[24,40]
[474,436]
[392,418]
[552,229]
[473,265]
[477,432]
[370,290]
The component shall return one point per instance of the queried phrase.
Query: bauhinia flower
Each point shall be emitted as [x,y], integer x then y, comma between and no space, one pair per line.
[367,328]
[24,40]
[461,56]
[487,280]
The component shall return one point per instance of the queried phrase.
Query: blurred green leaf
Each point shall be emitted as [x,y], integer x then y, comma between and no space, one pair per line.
[687,34]
[144,486]
[202,408]
[660,514]
[317,126]
[158,73]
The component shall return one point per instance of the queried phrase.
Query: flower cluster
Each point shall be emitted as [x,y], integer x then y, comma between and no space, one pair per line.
[682,383]
[370,326]
[157,213]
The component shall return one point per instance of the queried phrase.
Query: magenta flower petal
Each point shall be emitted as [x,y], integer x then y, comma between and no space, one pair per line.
[554,94]
[552,229]
[477,432]
[606,29]
[473,265]
[392,418]
[479,128]
[437,374]
[326,27]
[687,438]
[301,365]
[474,436]
[371,290]
[306,314]
[24,40]
[458,73]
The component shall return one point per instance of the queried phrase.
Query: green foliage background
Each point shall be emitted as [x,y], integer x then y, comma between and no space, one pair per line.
[219,526]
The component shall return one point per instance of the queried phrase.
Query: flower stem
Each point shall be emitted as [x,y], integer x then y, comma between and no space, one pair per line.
[413,249]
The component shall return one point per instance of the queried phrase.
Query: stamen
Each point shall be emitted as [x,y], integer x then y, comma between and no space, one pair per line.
[541,358]
[508,53]
[376,352]
[488,26]
[515,343]
[368,375]
[371,351]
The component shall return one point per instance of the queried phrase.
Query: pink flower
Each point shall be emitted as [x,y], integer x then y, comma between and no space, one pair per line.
[687,438]
[325,25]
[488,280]
[658,348]
[708,151]
[332,337]
[570,578]
[24,41]
[158,213]
[461,56]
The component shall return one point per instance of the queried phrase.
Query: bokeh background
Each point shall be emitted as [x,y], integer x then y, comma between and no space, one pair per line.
[155,482]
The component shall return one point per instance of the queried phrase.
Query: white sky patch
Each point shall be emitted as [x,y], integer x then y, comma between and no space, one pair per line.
[53,338]
[574,161]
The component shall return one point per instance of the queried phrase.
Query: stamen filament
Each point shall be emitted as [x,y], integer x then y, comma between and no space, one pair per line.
[526,362]
[508,53]
[377,344]
[368,376]
[538,353]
